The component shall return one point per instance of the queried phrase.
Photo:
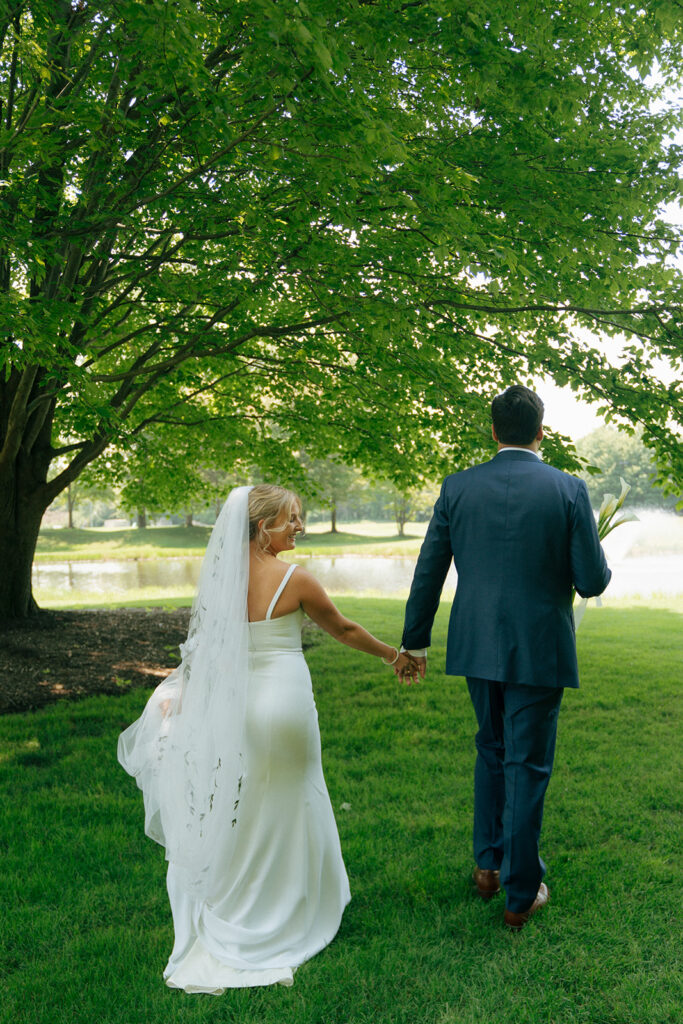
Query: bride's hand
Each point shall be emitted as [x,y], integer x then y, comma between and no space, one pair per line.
[407,668]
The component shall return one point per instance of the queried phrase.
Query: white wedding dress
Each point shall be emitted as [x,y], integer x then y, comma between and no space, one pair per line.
[285,885]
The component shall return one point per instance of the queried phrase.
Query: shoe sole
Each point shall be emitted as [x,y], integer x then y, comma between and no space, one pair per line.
[487,894]
[534,910]
[515,927]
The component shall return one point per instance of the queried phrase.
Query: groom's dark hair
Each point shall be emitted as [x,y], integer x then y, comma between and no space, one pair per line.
[517,415]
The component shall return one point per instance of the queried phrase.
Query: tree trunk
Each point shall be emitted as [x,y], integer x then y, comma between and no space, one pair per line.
[141,519]
[333,517]
[402,511]
[70,502]
[18,538]
[189,519]
[23,500]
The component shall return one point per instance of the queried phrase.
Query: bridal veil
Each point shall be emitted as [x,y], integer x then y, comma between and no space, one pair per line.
[186,751]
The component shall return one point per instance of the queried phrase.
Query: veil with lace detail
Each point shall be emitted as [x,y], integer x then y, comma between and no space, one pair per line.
[186,749]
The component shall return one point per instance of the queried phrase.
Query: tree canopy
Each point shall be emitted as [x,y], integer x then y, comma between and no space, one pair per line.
[346,225]
[622,456]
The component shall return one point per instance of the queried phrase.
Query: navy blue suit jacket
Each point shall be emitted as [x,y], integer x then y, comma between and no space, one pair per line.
[521,534]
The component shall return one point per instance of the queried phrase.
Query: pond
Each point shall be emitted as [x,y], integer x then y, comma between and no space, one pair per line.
[339,574]
[646,558]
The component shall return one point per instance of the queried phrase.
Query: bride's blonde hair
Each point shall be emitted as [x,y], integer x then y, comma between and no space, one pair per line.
[267,502]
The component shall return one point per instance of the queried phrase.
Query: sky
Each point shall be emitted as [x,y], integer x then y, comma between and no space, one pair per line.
[566,413]
[564,410]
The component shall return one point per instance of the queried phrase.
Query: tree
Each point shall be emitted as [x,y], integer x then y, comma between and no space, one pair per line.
[151,477]
[406,502]
[346,224]
[327,482]
[94,500]
[95,503]
[619,455]
[402,507]
[167,469]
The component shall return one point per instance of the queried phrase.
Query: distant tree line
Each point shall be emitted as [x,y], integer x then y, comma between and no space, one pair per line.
[330,489]
[337,492]
[619,455]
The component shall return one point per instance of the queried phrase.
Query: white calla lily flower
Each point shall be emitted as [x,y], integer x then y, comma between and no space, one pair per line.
[608,507]
[625,517]
[606,523]
[625,488]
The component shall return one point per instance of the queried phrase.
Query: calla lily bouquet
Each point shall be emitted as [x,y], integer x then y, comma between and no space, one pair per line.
[608,520]
[607,516]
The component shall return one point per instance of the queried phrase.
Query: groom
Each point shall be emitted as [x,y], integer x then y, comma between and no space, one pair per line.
[521,534]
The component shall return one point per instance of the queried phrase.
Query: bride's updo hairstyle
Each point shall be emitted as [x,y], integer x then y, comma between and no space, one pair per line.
[267,502]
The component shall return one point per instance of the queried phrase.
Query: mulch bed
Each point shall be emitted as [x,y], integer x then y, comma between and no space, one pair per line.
[58,655]
[69,655]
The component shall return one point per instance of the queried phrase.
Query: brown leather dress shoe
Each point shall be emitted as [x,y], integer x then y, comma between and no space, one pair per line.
[517,921]
[487,882]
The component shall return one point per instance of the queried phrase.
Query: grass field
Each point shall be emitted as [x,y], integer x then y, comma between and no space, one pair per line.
[183,542]
[86,925]
[153,542]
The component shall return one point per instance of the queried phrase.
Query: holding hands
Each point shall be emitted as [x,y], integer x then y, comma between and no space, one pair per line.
[412,670]
[407,667]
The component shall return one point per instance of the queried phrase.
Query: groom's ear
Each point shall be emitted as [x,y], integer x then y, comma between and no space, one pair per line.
[494,435]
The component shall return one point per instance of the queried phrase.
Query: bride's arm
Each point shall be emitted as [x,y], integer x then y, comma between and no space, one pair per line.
[320,608]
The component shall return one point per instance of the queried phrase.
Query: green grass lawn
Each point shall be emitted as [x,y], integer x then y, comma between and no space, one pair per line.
[183,542]
[86,925]
[153,542]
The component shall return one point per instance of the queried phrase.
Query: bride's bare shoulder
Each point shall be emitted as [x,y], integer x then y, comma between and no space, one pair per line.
[305,580]
[265,575]
[302,575]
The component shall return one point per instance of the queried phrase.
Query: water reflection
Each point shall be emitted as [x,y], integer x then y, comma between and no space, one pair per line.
[356,574]
[339,574]
[118,577]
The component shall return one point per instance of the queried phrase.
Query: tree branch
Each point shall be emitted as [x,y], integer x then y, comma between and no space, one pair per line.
[88,454]
[66,448]
[201,168]
[18,417]
[157,418]
[12,76]
[40,417]
[551,308]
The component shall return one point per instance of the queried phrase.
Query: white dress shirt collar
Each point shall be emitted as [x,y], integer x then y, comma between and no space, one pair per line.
[515,448]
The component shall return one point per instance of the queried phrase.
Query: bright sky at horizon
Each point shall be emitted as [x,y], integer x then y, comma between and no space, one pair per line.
[566,413]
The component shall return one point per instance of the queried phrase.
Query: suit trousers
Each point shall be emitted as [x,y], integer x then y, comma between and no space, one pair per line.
[515,751]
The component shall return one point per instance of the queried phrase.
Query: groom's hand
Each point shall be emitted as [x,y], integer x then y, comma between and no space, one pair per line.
[409,669]
[406,668]
[421,666]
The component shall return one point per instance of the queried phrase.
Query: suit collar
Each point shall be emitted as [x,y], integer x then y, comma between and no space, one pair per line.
[518,454]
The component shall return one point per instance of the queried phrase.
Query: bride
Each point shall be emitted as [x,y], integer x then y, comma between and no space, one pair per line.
[227,755]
